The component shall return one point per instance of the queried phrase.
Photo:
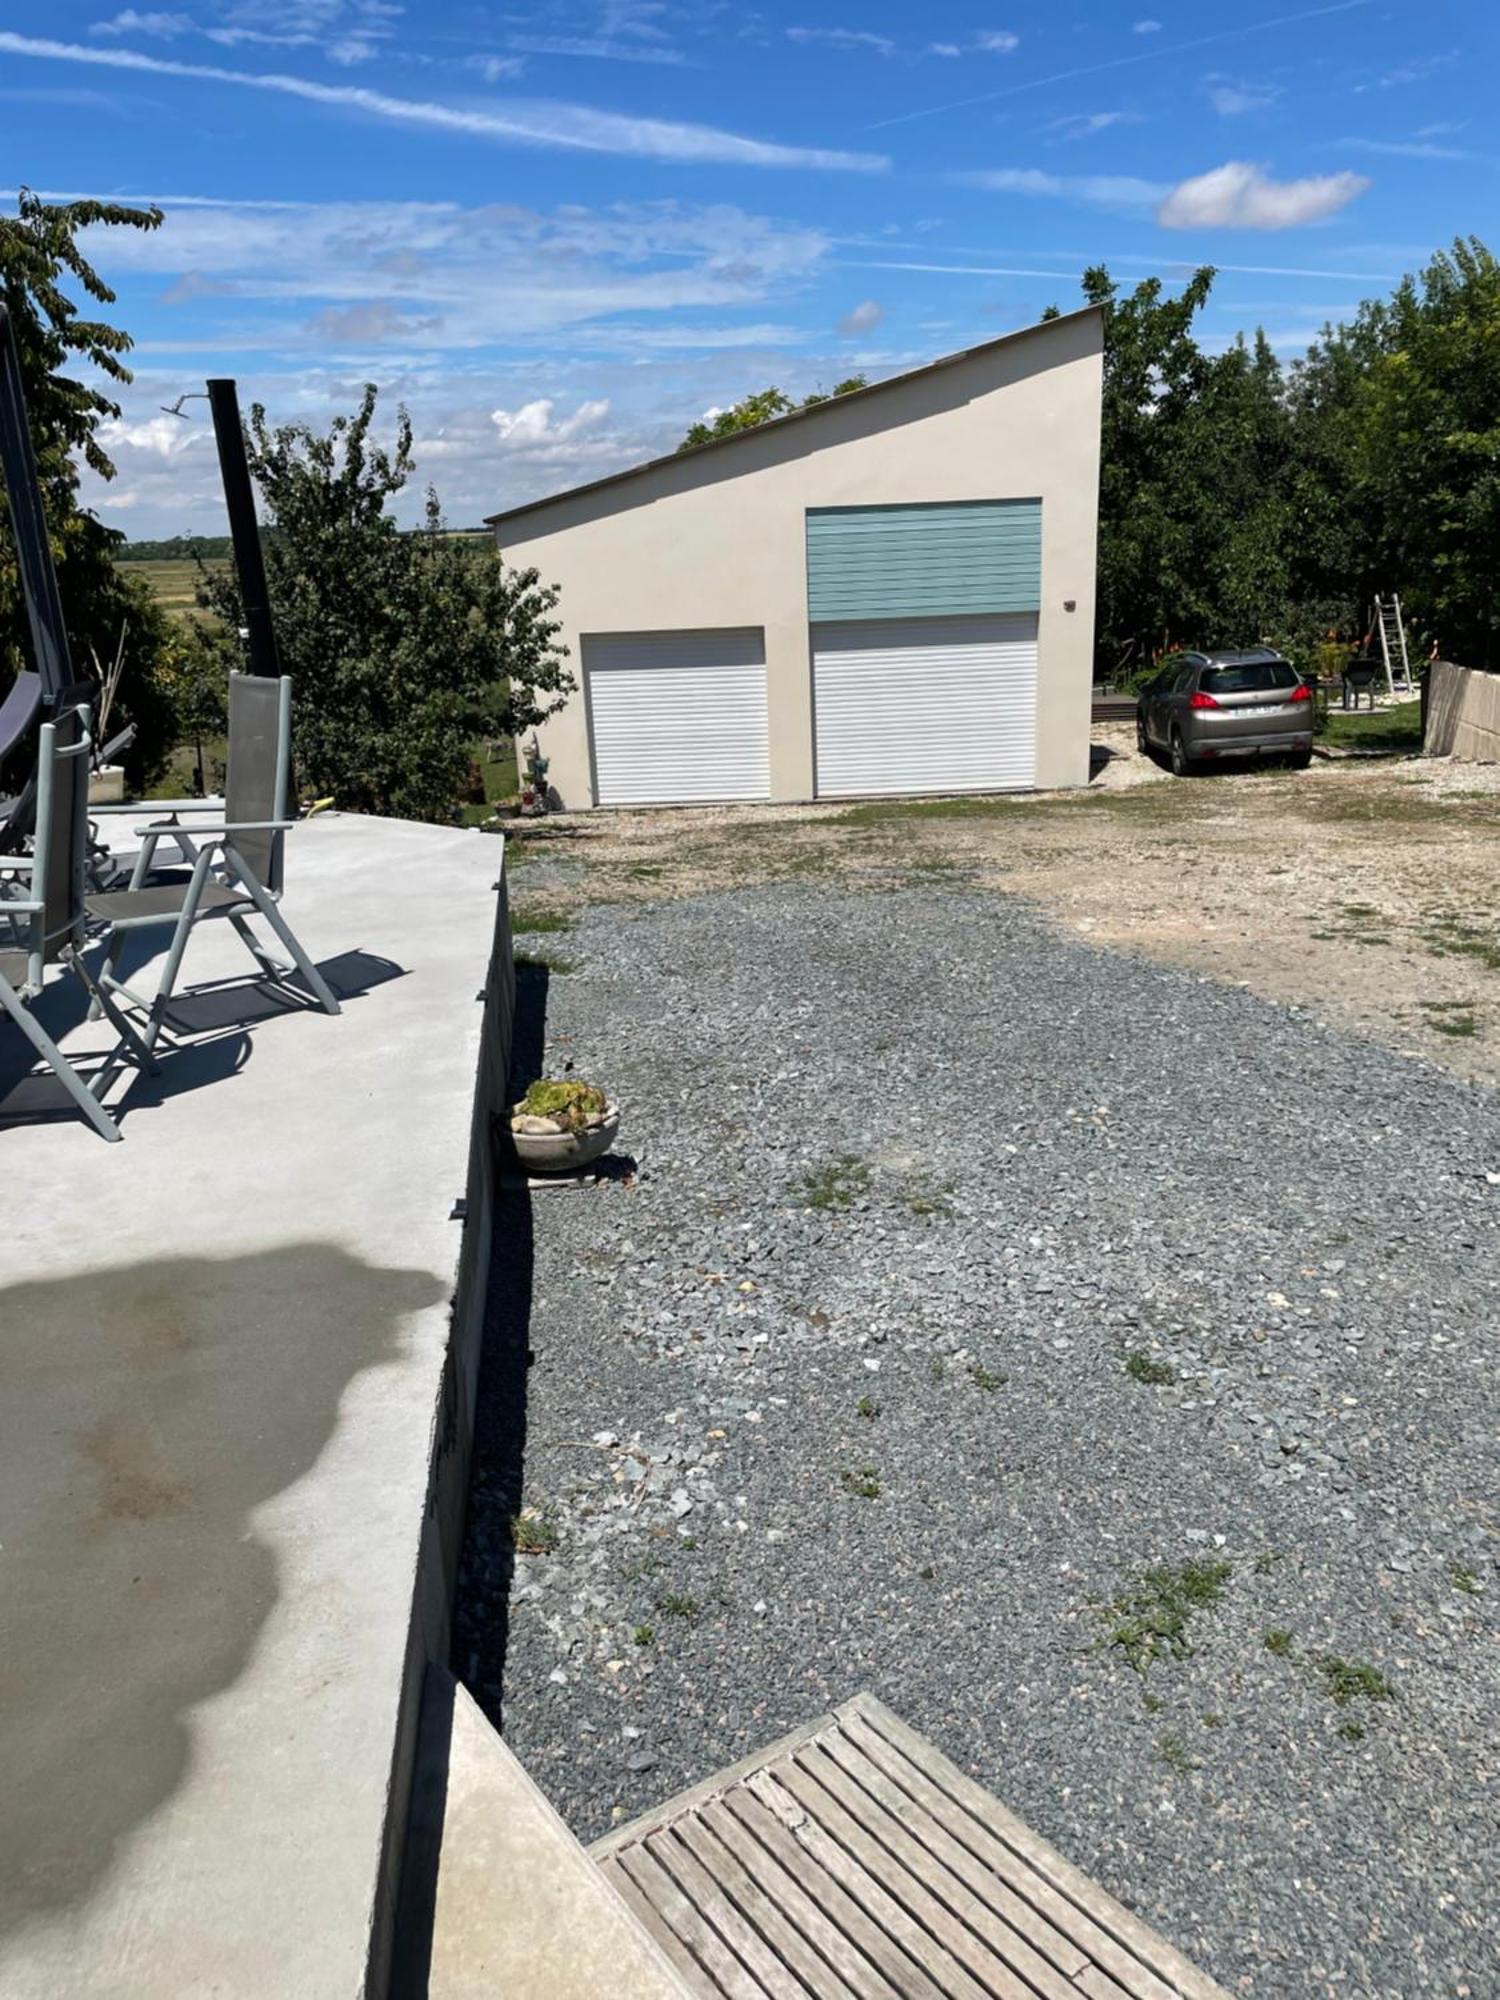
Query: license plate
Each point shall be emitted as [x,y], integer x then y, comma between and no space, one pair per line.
[1260,709]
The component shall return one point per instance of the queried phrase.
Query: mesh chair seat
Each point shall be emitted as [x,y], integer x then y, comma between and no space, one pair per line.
[166,900]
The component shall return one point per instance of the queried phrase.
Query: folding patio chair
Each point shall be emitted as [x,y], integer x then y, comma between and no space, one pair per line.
[45,925]
[237,864]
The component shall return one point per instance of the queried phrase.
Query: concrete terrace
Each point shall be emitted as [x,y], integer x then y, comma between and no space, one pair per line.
[226,1499]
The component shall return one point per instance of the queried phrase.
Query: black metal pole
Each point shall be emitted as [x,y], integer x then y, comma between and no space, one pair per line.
[239,498]
[49,635]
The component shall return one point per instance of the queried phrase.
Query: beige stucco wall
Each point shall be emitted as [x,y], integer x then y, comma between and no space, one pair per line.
[718,538]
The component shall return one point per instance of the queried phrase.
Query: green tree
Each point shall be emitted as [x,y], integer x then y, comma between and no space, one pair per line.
[406,649]
[754,410]
[39,256]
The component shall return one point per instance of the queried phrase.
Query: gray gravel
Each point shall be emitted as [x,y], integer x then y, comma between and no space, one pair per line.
[1072,1157]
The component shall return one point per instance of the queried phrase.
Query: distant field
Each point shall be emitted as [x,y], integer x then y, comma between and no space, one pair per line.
[174,585]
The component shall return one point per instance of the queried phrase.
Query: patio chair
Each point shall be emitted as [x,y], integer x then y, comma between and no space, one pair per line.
[45,925]
[236,864]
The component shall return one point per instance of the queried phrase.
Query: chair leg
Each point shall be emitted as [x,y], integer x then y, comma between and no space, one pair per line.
[100,1002]
[185,921]
[268,909]
[58,1063]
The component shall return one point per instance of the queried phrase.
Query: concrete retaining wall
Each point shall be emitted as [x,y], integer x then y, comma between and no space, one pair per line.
[1463,714]
[453,1421]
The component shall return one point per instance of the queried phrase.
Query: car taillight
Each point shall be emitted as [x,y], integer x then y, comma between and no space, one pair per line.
[1301,692]
[1202,700]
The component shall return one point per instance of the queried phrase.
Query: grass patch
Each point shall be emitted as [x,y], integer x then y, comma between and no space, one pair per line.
[1461,1027]
[862,1481]
[838,1185]
[1279,1642]
[1352,1680]
[1142,1367]
[1463,1578]
[537,920]
[923,1198]
[533,1532]
[984,1378]
[868,1408]
[1150,1619]
[541,961]
[677,1606]
[1392,732]
[643,1634]
[1452,937]
[1174,1752]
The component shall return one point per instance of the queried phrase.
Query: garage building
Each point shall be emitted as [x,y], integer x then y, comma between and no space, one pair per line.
[890,592]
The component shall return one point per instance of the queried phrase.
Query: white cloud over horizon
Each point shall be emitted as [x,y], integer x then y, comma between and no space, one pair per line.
[1240,195]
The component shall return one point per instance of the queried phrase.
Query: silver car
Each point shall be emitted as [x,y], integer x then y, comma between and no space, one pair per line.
[1205,708]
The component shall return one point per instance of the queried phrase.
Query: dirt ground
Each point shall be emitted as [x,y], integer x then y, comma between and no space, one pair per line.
[1367,890]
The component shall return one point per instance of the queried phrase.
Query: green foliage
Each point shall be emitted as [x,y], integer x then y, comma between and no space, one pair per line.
[1149,1621]
[178,548]
[405,649]
[570,1105]
[40,265]
[838,1185]
[1142,1367]
[760,408]
[1352,1680]
[861,1481]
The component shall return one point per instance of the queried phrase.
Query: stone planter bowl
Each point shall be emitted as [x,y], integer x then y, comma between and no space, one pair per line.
[565,1152]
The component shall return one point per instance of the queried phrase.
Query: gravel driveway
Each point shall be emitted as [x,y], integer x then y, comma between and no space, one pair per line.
[1096,1362]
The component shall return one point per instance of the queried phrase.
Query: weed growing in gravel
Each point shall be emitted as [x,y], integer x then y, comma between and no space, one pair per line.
[1173,1751]
[1152,1703]
[1463,1578]
[862,1481]
[1267,1560]
[527,961]
[1279,1642]
[1150,1620]
[984,1378]
[1460,1026]
[925,1198]
[1352,1732]
[533,1533]
[1352,1680]
[868,1408]
[643,1634]
[838,1185]
[677,1606]
[538,919]
[1142,1367]
[1451,937]
[937,1368]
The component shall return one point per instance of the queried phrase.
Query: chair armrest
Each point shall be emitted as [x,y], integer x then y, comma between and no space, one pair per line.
[221,831]
[160,805]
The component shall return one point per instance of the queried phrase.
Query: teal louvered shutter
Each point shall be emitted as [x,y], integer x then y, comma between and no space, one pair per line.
[945,560]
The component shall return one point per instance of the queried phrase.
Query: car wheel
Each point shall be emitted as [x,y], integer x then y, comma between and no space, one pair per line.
[1142,741]
[1182,763]
[1300,759]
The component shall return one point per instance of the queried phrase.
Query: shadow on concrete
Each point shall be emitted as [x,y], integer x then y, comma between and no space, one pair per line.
[212,1018]
[481,1620]
[148,1410]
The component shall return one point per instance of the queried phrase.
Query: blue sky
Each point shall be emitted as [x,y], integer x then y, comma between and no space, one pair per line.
[560,233]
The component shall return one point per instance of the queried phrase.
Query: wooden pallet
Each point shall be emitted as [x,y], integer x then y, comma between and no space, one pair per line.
[852,1861]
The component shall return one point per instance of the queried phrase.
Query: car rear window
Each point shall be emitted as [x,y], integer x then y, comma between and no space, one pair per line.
[1255,677]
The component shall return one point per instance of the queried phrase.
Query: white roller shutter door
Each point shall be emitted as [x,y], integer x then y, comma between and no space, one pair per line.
[926,705]
[678,717]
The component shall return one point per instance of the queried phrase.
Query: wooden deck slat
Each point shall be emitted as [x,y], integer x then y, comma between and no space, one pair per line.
[707,1892]
[1010,1926]
[686,1933]
[769,1836]
[853,1861]
[938,1942]
[1061,1911]
[973,1933]
[845,1969]
[1120,1943]
[713,1839]
[918,1977]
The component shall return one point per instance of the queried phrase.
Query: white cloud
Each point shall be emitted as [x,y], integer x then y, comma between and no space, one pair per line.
[863,318]
[495,69]
[167,26]
[522,123]
[531,432]
[944,49]
[1148,27]
[997,41]
[1097,190]
[843,38]
[1239,195]
[597,47]
[1084,124]
[161,436]
[1234,100]
[1415,71]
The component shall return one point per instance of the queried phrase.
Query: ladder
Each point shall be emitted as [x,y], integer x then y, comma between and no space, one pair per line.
[1392,629]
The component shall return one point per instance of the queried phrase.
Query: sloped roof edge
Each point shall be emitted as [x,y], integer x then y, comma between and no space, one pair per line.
[809,414]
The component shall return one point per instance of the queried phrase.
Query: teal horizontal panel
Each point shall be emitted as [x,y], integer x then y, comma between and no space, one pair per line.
[924,561]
